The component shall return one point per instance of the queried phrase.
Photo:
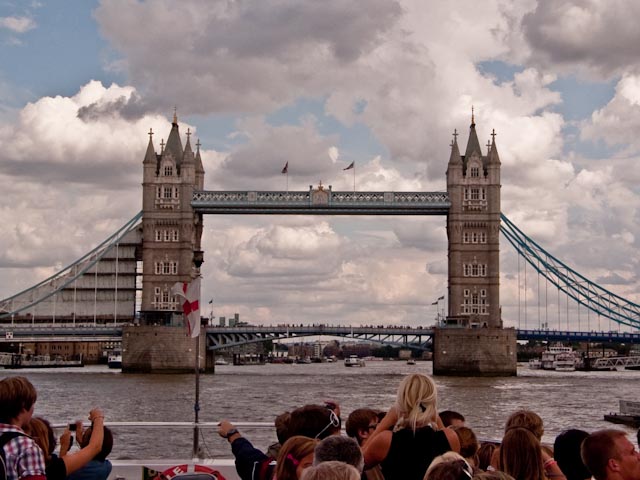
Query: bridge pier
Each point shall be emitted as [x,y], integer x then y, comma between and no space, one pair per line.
[162,349]
[485,352]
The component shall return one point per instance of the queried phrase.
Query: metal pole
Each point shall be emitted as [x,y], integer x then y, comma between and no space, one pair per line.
[196,405]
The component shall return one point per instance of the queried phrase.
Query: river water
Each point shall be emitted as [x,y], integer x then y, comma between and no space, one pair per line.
[259,393]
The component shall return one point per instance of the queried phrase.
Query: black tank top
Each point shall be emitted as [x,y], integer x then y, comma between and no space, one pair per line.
[410,454]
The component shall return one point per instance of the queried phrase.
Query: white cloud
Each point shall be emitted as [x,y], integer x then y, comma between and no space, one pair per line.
[17,24]
[617,123]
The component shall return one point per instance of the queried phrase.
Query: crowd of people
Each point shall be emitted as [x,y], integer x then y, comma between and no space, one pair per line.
[410,441]
[413,441]
[28,443]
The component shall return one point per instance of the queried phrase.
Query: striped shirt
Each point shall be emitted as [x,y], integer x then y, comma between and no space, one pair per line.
[24,457]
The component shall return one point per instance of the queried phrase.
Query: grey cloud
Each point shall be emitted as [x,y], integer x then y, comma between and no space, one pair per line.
[600,37]
[132,108]
[615,279]
[240,56]
[115,175]
[265,29]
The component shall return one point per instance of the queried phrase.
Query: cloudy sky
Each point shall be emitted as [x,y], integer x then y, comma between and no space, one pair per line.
[382,83]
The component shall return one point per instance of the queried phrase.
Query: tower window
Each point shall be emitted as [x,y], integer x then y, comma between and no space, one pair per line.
[475,172]
[474,270]
[168,171]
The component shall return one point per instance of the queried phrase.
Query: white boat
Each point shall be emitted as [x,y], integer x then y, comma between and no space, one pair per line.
[535,364]
[411,361]
[221,361]
[114,360]
[565,362]
[549,356]
[353,361]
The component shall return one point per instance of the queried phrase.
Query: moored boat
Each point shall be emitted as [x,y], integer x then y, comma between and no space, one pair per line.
[565,362]
[41,361]
[535,364]
[629,414]
[114,360]
[353,361]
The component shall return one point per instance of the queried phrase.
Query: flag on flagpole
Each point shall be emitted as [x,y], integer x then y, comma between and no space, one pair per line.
[351,165]
[441,298]
[286,168]
[435,303]
[210,301]
[190,293]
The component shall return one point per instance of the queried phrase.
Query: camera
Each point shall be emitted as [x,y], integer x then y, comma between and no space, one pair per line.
[72,427]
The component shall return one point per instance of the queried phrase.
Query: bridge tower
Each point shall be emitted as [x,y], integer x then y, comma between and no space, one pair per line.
[471,339]
[171,252]
[171,231]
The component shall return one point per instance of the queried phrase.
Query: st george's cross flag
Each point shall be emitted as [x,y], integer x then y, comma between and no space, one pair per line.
[190,294]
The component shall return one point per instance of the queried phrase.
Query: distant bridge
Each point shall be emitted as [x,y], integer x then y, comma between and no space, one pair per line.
[225,337]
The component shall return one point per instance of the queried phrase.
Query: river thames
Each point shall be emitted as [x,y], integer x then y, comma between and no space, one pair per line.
[259,393]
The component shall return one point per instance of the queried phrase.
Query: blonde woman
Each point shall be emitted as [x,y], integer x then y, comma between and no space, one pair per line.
[296,454]
[410,436]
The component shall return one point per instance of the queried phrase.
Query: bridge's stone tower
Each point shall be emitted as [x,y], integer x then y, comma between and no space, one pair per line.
[171,253]
[171,231]
[472,340]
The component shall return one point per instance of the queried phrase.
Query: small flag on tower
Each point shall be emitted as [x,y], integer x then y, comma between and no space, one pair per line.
[352,165]
[441,298]
[286,168]
[190,292]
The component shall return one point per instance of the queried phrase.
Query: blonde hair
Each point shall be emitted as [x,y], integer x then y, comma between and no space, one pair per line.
[528,419]
[449,456]
[416,402]
[332,470]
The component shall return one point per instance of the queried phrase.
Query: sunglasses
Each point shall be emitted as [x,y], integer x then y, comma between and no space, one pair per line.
[466,468]
[334,421]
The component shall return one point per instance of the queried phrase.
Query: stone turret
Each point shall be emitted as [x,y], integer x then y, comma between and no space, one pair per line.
[482,346]
[171,230]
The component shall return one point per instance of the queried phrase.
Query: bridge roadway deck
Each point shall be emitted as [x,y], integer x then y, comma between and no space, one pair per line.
[320,202]
[223,337]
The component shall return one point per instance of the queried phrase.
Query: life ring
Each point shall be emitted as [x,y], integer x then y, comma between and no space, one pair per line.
[178,471]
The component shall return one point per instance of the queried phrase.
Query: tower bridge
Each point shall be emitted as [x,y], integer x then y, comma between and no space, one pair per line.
[128,278]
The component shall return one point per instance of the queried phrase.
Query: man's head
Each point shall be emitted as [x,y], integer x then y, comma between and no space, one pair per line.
[107,443]
[282,427]
[17,397]
[451,418]
[361,423]
[609,455]
[566,451]
[526,419]
[314,421]
[339,448]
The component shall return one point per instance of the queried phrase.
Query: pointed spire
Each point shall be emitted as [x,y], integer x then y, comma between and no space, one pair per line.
[494,159]
[188,153]
[175,115]
[150,156]
[473,145]
[199,167]
[174,144]
[455,159]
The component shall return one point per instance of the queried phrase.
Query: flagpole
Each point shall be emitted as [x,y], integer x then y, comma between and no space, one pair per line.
[196,406]
[354,180]
[287,180]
